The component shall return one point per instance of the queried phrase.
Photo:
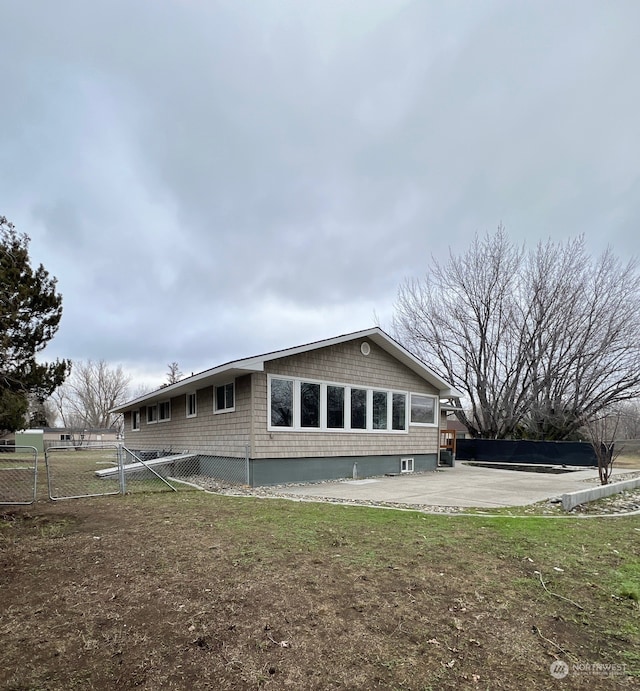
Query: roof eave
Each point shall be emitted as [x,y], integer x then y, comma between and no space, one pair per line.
[256,364]
[206,378]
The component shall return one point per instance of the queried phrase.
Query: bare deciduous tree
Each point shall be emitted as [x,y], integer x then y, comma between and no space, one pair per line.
[540,341]
[89,393]
[629,420]
[174,375]
[602,431]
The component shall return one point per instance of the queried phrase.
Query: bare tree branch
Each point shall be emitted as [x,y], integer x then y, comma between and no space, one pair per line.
[540,341]
[89,393]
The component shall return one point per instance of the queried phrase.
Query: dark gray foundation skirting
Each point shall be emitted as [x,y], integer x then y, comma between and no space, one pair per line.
[276,471]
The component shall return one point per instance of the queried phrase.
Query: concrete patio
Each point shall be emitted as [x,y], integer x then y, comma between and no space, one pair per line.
[463,485]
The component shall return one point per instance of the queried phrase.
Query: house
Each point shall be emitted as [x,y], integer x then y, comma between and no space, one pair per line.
[355,405]
[60,436]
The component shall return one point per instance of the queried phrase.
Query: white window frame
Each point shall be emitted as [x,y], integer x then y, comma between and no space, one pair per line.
[321,400]
[191,396]
[296,426]
[367,413]
[217,410]
[160,407]
[296,406]
[436,407]
[407,400]
[406,465]
[154,406]
[135,415]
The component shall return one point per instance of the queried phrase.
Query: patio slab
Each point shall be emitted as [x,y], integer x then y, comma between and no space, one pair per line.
[463,485]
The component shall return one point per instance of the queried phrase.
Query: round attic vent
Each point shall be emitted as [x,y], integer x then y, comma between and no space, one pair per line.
[365,348]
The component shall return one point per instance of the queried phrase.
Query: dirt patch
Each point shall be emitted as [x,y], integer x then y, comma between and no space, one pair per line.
[199,591]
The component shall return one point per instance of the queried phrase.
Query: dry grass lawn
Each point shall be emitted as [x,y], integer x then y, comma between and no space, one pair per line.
[195,591]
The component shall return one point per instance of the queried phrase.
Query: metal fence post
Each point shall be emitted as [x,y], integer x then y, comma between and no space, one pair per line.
[123,481]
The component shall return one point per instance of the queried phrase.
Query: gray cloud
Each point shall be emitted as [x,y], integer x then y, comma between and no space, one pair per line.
[211,180]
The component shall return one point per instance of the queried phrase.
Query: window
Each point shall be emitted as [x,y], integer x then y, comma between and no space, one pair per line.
[302,405]
[135,420]
[164,411]
[423,409]
[152,414]
[406,465]
[225,398]
[309,404]
[65,437]
[192,404]
[358,409]
[335,407]
[281,403]
[398,411]
[379,410]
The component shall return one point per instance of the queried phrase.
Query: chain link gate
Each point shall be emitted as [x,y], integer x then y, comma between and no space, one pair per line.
[71,471]
[18,475]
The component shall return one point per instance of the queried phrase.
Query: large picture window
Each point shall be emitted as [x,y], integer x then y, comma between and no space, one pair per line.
[309,404]
[358,409]
[423,409]
[379,410]
[281,403]
[398,411]
[301,405]
[335,407]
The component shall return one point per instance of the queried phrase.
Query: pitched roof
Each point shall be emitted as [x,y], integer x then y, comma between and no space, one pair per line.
[237,368]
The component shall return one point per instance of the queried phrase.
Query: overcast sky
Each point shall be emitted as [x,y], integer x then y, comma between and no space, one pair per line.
[213,180]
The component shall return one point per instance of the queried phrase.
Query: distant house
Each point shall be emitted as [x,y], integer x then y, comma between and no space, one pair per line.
[64,436]
[358,404]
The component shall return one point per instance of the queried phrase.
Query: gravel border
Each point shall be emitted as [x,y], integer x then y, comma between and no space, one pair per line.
[625,502]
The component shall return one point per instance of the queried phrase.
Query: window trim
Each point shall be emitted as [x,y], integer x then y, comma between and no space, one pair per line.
[160,405]
[217,410]
[367,407]
[311,383]
[407,465]
[154,406]
[346,429]
[295,392]
[406,422]
[135,414]
[436,407]
[187,398]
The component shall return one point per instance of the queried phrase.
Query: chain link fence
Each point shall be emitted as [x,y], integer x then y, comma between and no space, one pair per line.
[182,470]
[73,473]
[94,470]
[18,474]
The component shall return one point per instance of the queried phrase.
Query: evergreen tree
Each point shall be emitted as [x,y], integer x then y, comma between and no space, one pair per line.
[30,311]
